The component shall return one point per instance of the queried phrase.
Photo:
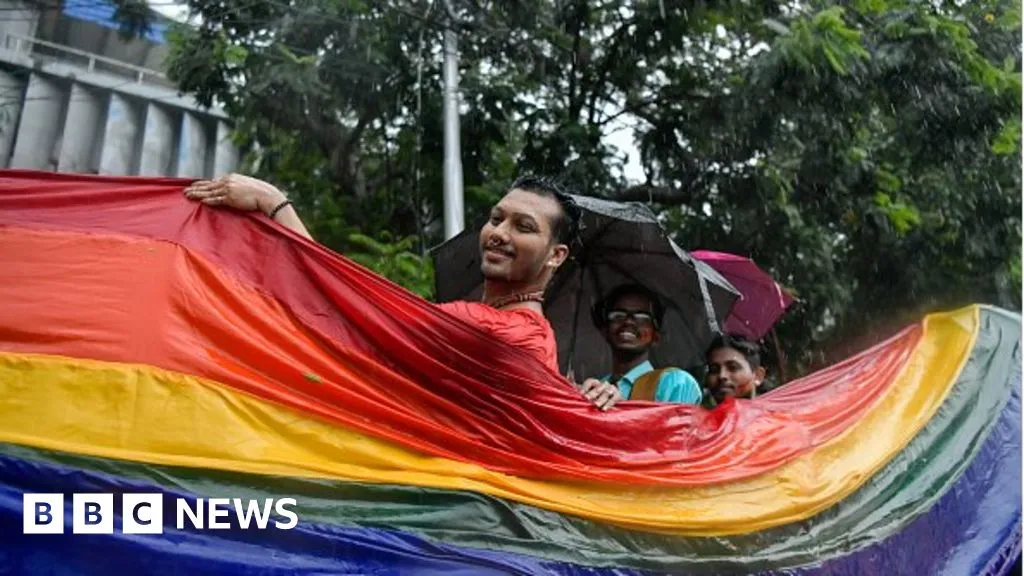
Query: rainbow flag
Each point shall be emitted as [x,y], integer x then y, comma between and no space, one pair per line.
[150,345]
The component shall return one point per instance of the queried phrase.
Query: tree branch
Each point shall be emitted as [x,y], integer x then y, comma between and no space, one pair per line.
[634,108]
[575,102]
[610,60]
[356,133]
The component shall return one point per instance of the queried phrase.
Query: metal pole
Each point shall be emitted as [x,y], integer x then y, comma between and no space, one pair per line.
[454,213]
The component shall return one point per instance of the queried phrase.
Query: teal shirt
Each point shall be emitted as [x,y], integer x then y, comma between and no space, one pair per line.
[675,385]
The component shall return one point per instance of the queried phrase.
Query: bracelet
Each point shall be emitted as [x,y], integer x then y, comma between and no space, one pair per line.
[278,209]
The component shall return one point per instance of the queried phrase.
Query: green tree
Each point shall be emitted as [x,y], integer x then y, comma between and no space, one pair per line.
[340,102]
[865,152]
[870,159]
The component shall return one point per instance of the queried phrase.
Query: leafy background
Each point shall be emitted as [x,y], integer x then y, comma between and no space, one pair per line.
[865,152]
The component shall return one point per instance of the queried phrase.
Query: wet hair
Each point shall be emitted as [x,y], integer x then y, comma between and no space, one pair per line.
[749,349]
[566,228]
[599,312]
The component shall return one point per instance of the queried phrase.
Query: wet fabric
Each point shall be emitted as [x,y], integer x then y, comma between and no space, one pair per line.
[909,485]
[243,302]
[149,343]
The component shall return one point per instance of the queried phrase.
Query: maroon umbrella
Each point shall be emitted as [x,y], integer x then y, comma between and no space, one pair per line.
[762,301]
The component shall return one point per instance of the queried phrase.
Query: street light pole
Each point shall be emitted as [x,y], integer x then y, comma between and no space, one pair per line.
[454,211]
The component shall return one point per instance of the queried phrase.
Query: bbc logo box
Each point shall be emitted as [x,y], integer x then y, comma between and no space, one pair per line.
[92,514]
[43,514]
[144,513]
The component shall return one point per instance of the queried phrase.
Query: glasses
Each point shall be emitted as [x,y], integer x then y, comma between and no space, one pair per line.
[638,317]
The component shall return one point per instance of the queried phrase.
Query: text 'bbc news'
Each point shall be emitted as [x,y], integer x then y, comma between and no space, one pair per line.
[144,513]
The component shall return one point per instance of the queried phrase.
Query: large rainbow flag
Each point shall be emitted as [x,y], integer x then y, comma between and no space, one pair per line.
[153,345]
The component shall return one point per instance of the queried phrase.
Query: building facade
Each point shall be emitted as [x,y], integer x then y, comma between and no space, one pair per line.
[76,97]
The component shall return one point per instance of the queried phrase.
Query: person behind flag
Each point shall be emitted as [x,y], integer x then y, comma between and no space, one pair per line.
[734,369]
[630,318]
[522,244]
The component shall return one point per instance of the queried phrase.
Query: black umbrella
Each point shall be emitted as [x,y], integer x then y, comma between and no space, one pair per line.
[620,243]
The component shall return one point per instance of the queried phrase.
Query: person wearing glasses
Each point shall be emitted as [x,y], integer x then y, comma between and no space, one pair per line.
[630,318]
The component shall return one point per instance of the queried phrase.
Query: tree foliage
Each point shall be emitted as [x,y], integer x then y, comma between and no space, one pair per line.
[865,152]
[875,174]
[395,261]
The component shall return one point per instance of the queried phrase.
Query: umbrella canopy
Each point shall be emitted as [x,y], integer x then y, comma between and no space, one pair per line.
[620,243]
[763,300]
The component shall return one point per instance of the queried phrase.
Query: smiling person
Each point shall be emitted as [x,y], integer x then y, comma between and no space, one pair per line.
[734,369]
[630,317]
[525,240]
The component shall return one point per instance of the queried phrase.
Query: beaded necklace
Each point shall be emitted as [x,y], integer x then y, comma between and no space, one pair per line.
[516,299]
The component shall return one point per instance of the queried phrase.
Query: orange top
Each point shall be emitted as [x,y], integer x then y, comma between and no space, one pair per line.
[520,327]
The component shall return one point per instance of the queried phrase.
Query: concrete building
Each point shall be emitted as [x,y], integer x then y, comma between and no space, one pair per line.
[76,97]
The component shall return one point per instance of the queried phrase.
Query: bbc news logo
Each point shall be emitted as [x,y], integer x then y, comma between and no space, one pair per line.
[144,514]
